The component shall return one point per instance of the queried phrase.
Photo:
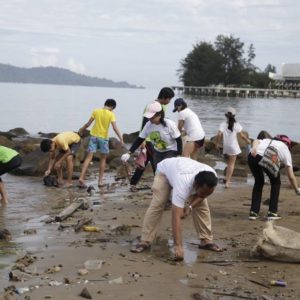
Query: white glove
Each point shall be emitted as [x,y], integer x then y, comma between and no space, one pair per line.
[298,191]
[125,157]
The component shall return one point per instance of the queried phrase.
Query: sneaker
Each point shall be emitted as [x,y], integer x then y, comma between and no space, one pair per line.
[253,215]
[272,216]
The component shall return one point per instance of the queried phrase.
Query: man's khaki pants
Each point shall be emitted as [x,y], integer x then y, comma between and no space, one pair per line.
[161,193]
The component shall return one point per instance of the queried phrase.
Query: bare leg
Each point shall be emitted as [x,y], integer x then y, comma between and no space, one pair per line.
[102,165]
[69,169]
[3,193]
[59,174]
[229,170]
[188,149]
[85,166]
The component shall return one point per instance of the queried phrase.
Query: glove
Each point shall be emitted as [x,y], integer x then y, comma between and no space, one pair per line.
[125,157]
[298,191]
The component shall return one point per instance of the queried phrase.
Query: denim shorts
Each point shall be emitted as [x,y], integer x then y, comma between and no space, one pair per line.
[99,144]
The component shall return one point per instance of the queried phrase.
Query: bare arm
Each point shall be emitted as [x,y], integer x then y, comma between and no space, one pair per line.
[254,148]
[177,213]
[218,139]
[180,125]
[51,163]
[244,137]
[290,174]
[86,125]
[117,131]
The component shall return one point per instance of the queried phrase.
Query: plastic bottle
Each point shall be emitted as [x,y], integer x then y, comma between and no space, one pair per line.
[278,283]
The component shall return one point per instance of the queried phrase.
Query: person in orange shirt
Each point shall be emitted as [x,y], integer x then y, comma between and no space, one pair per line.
[62,147]
[102,118]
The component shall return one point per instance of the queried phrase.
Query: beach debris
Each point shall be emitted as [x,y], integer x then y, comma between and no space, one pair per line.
[23,262]
[118,280]
[5,235]
[191,275]
[55,283]
[93,264]
[85,294]
[82,272]
[259,283]
[22,290]
[30,231]
[91,228]
[68,211]
[80,223]
[123,229]
[54,269]
[278,283]
[17,275]
[90,190]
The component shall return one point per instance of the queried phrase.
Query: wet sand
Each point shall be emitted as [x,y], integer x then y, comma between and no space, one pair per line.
[148,275]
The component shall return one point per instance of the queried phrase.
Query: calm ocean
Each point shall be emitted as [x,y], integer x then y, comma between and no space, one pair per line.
[50,108]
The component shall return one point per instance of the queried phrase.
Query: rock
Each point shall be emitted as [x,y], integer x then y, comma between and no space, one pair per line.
[83,272]
[85,294]
[5,235]
[6,142]
[115,143]
[131,137]
[8,135]
[47,135]
[18,131]
[264,135]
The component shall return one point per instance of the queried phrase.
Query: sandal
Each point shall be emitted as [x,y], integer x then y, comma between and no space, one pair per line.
[141,247]
[211,247]
[81,185]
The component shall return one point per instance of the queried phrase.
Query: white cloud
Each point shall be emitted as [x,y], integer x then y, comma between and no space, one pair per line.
[44,56]
[75,67]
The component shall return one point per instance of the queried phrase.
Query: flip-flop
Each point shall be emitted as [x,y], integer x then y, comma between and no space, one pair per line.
[141,247]
[210,247]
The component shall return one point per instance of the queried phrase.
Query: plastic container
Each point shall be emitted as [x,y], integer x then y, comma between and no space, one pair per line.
[91,228]
[278,283]
[93,264]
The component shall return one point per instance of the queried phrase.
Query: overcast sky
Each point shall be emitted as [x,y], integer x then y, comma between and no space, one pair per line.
[141,41]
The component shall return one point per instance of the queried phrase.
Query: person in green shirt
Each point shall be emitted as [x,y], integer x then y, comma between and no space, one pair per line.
[9,160]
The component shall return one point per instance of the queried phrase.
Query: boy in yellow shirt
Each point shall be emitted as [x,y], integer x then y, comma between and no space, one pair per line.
[62,147]
[102,118]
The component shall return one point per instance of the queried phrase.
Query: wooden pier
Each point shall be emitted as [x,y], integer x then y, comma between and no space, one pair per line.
[236,92]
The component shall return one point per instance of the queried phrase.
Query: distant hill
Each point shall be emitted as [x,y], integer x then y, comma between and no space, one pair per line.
[54,75]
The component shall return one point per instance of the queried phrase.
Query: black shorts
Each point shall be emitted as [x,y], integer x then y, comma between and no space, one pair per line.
[14,163]
[200,143]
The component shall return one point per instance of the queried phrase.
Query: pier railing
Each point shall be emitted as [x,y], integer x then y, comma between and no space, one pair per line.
[236,92]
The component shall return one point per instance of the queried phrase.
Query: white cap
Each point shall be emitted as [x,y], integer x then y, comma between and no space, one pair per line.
[231,110]
[152,109]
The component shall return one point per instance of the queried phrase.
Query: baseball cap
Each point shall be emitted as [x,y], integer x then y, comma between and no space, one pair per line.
[152,109]
[284,138]
[231,111]
[177,102]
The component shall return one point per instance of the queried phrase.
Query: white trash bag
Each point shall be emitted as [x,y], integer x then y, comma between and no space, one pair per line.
[279,243]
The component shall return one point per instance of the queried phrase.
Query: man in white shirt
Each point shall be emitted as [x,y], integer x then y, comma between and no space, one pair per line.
[191,182]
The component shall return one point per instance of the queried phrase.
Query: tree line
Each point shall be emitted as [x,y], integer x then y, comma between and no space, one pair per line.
[225,62]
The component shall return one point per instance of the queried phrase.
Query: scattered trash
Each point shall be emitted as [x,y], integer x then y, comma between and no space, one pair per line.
[83,272]
[55,283]
[93,264]
[191,275]
[85,294]
[223,272]
[278,283]
[91,228]
[118,280]
[54,269]
[90,190]
[22,290]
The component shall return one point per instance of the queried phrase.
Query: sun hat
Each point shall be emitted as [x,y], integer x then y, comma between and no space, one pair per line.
[283,138]
[178,102]
[152,109]
[230,111]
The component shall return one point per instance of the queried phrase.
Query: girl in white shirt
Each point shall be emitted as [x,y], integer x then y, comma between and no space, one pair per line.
[189,122]
[228,131]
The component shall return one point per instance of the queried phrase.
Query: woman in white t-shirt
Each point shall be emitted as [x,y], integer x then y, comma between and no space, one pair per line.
[229,131]
[189,123]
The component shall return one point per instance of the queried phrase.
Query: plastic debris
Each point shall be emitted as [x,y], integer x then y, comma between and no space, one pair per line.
[278,283]
[83,272]
[118,280]
[93,264]
[91,228]
[55,283]
[22,290]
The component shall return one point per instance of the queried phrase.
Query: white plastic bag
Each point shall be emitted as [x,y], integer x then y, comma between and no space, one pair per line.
[279,243]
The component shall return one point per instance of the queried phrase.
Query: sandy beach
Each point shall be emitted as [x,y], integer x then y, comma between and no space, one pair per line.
[60,254]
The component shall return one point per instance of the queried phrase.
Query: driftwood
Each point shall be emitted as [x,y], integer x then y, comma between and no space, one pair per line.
[81,223]
[68,211]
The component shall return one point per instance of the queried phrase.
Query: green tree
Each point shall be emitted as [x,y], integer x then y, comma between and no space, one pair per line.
[202,66]
[270,68]
[234,65]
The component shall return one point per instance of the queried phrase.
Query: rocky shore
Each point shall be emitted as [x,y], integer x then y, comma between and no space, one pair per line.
[86,255]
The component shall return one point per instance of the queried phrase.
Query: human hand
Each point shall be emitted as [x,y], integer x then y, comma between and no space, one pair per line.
[186,211]
[125,157]
[298,191]
[179,254]
[47,172]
